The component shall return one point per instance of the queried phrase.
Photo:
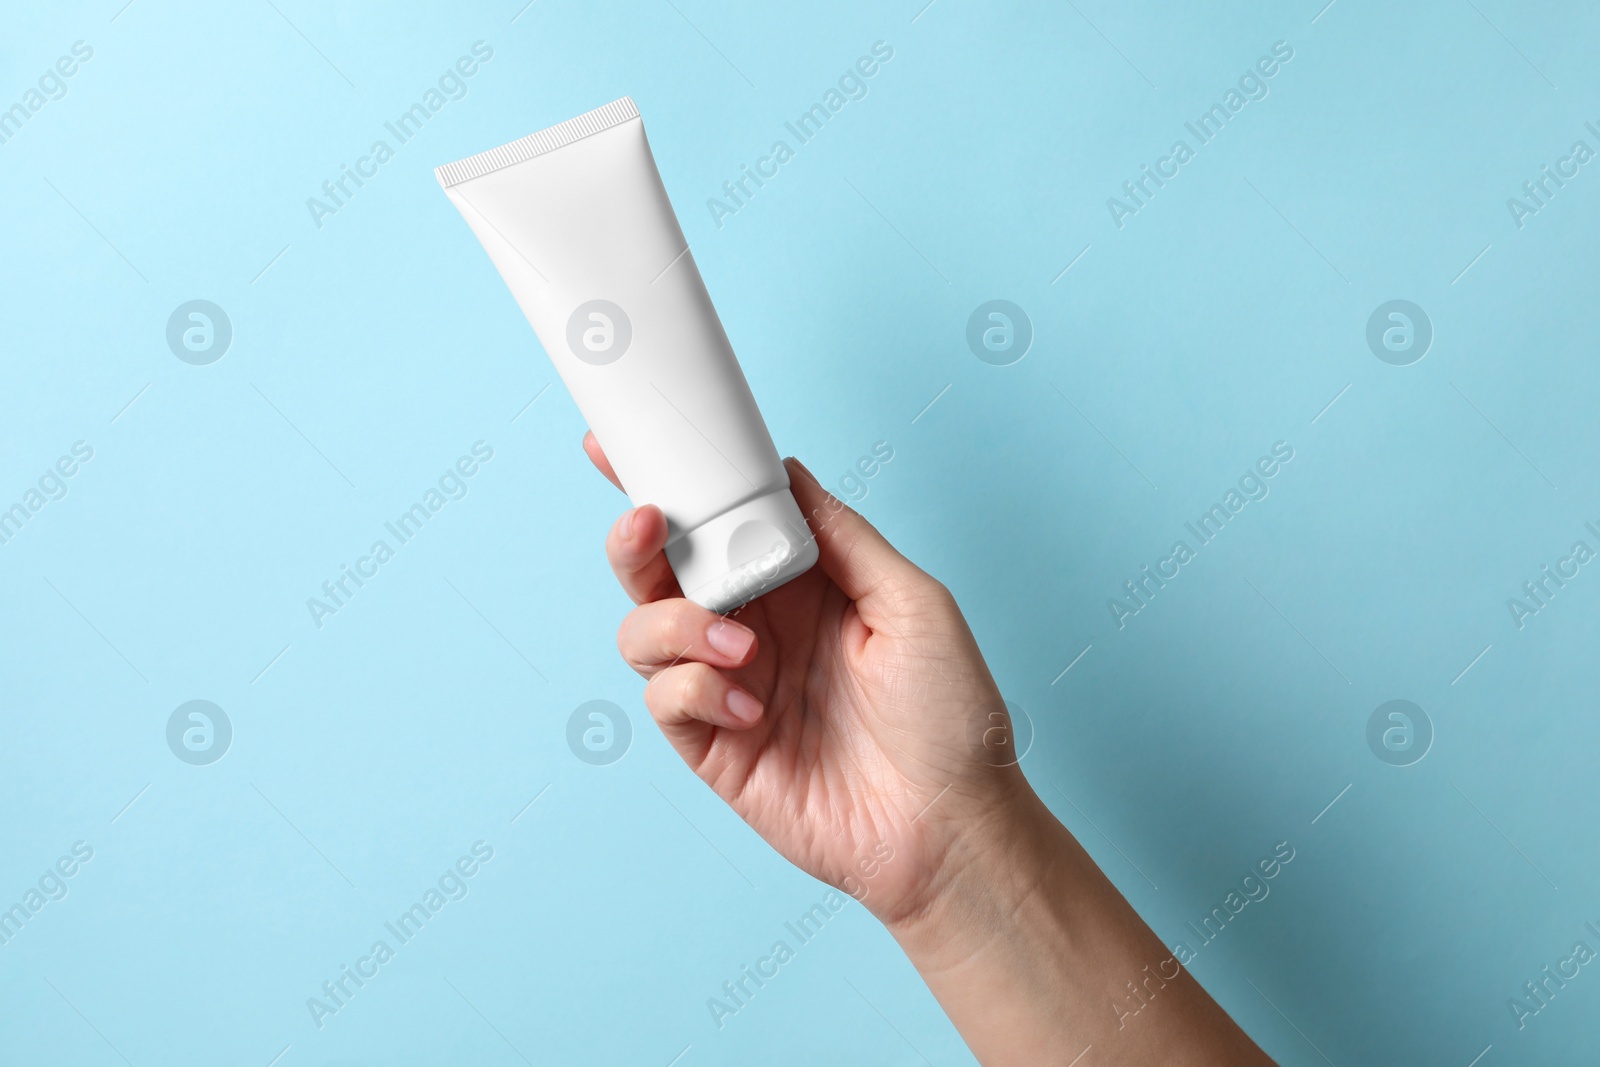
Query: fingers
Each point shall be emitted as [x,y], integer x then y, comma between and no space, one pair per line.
[660,634]
[635,546]
[636,542]
[591,448]
[869,570]
[686,698]
[679,646]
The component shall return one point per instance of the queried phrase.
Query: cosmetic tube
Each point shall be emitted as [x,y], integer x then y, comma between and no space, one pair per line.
[578,223]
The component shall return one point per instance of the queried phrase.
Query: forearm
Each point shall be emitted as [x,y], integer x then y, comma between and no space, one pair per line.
[1036,957]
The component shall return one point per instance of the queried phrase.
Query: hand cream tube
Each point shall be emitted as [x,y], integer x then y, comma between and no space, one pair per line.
[579,225]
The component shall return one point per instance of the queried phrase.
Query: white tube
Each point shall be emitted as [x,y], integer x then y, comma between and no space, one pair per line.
[579,225]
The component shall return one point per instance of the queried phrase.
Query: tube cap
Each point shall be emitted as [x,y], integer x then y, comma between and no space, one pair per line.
[746,551]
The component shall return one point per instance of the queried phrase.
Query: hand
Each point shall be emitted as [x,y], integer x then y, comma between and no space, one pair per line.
[847,716]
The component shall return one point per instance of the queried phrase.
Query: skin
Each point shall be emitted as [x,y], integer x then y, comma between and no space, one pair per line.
[849,717]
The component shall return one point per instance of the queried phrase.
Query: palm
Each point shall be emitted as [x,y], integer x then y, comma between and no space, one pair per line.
[852,760]
[875,706]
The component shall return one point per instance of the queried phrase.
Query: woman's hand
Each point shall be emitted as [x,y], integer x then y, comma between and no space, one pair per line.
[847,716]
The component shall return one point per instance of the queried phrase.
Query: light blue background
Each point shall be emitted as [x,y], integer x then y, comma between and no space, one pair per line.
[374,351]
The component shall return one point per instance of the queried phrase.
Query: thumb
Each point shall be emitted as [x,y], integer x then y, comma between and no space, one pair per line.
[861,562]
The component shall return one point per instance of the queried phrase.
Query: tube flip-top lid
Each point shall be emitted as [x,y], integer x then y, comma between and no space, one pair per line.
[746,551]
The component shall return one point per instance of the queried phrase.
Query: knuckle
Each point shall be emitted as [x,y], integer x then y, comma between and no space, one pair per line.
[697,686]
[675,631]
[924,594]
[628,643]
[658,697]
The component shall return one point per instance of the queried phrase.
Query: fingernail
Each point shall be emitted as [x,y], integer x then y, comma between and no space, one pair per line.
[625,528]
[743,706]
[729,638]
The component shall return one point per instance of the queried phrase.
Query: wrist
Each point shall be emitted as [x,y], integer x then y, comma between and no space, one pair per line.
[1030,950]
[1006,860]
